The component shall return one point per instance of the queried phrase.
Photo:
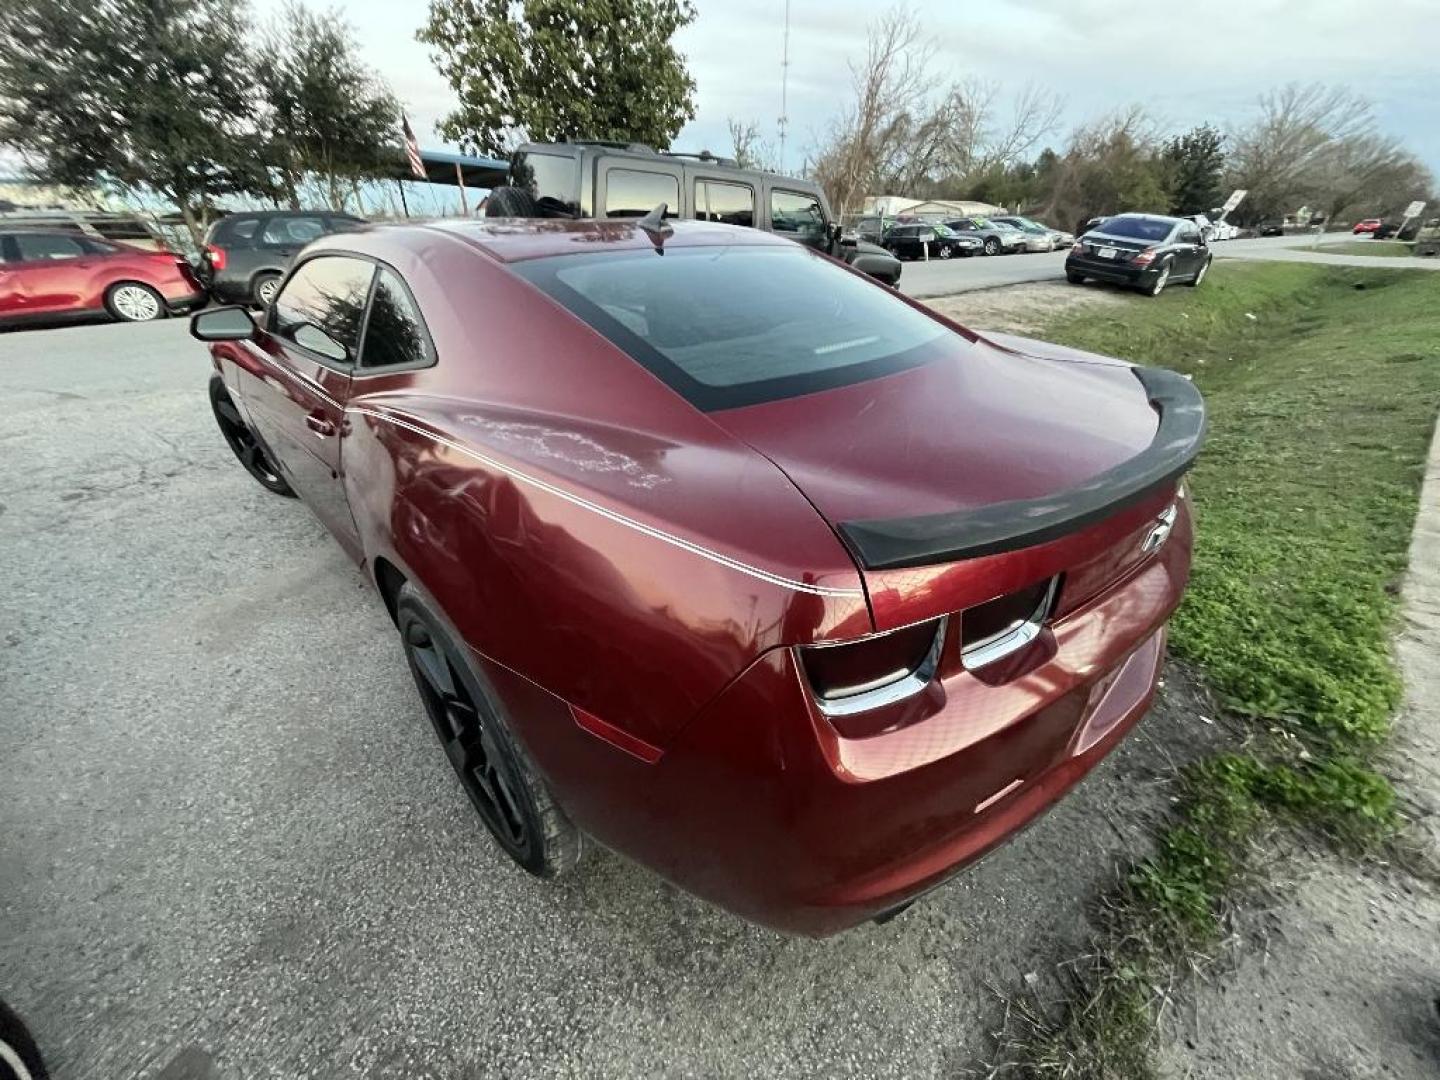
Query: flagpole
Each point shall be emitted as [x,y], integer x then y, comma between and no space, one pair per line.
[403,204]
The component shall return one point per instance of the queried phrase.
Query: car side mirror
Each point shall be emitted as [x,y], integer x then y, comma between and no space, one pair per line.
[232,323]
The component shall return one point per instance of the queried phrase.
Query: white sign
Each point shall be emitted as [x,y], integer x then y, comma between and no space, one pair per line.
[1236,197]
[1414,209]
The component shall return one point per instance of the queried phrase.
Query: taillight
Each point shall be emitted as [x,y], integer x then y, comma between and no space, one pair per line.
[1145,258]
[874,671]
[215,256]
[994,630]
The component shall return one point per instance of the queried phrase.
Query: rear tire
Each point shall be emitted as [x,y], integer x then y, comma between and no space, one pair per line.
[1161,280]
[263,290]
[511,202]
[497,774]
[946,251]
[130,301]
[992,246]
[1200,274]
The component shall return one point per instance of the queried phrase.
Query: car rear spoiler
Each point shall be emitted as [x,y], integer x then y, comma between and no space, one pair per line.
[891,543]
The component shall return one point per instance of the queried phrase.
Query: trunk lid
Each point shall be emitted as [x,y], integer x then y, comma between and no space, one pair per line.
[1005,423]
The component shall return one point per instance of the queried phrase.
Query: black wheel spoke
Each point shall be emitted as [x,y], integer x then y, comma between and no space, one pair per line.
[436,670]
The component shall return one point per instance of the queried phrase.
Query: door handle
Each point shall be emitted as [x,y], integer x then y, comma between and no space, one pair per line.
[319,425]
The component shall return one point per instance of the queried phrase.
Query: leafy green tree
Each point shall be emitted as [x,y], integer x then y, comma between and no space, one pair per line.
[551,69]
[135,95]
[331,118]
[1195,161]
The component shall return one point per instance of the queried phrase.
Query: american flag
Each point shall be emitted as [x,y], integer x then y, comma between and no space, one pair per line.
[412,148]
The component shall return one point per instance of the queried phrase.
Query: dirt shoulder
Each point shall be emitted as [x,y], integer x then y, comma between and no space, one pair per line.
[1341,980]
[1023,309]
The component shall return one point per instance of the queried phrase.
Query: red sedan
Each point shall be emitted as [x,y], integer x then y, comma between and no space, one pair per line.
[705,545]
[1369,225]
[54,275]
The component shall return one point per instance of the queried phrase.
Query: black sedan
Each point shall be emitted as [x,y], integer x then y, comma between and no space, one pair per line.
[1145,251]
[910,242]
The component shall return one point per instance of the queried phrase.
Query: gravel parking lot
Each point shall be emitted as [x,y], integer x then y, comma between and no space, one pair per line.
[231,847]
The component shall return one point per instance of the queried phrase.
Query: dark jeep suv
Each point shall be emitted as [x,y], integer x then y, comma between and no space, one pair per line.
[246,254]
[594,179]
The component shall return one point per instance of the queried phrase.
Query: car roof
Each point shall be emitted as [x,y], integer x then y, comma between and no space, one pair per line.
[517,239]
[1152,217]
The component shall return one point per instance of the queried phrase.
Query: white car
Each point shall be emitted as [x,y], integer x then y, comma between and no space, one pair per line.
[1215,230]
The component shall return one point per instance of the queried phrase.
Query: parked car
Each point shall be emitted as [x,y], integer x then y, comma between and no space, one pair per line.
[599,179]
[56,275]
[871,229]
[1038,237]
[1271,228]
[995,239]
[1145,251]
[246,254]
[1213,229]
[1369,225]
[910,242]
[672,568]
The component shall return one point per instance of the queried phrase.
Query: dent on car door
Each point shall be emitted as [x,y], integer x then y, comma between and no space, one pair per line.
[297,403]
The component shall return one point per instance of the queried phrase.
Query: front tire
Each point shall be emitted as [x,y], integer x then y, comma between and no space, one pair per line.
[130,301]
[243,443]
[1074,278]
[497,774]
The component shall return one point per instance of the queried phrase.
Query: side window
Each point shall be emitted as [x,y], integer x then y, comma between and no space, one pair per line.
[550,179]
[239,229]
[322,305]
[799,216]
[729,204]
[1189,234]
[630,193]
[290,231]
[39,246]
[395,333]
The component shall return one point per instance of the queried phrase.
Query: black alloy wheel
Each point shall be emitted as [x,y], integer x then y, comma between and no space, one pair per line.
[512,800]
[243,443]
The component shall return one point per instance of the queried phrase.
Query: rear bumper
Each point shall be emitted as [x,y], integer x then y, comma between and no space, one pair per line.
[764,807]
[1106,270]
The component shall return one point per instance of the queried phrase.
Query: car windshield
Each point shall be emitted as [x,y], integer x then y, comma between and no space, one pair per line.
[1137,228]
[735,326]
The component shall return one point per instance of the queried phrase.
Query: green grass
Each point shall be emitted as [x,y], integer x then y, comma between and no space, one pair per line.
[1367,247]
[1322,387]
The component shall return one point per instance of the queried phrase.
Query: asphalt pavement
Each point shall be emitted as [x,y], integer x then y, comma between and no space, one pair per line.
[943,277]
[232,848]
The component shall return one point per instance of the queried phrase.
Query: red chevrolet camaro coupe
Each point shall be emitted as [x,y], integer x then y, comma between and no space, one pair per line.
[704,545]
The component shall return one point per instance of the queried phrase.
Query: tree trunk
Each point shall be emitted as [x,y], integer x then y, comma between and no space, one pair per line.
[196,228]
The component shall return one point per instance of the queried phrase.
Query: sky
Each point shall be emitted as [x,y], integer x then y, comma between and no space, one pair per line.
[1186,62]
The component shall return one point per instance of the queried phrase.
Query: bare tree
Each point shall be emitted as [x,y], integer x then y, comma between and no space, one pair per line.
[900,136]
[750,150]
[1281,155]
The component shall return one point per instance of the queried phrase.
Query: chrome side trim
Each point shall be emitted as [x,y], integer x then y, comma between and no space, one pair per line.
[877,694]
[1013,638]
[611,515]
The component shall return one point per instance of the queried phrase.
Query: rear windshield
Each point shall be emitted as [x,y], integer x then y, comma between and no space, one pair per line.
[1137,228]
[735,326]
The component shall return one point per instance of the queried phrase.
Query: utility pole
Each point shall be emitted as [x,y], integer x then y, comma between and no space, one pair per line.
[784,85]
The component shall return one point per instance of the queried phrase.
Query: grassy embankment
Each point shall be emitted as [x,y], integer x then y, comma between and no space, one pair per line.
[1392,248]
[1323,386]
